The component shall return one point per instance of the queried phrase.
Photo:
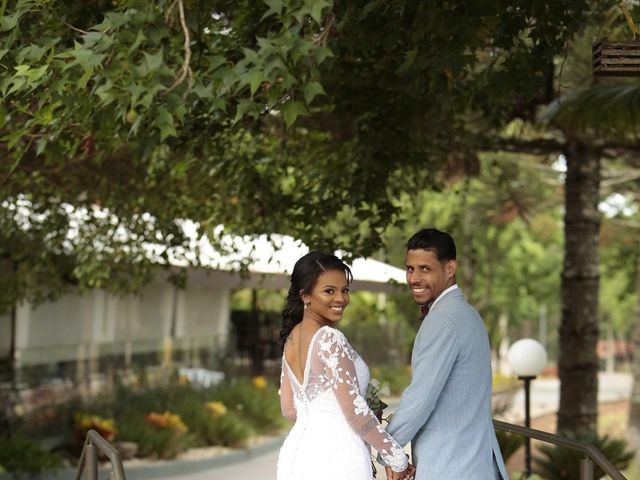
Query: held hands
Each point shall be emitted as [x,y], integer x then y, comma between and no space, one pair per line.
[408,474]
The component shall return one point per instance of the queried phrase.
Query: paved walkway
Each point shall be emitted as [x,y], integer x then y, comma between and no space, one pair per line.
[545,395]
[262,467]
[544,400]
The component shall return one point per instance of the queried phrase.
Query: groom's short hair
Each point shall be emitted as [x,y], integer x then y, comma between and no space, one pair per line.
[433,239]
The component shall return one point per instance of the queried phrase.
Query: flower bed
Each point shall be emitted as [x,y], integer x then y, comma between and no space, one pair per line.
[163,422]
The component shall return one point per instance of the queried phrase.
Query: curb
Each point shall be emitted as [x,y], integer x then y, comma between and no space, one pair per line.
[165,469]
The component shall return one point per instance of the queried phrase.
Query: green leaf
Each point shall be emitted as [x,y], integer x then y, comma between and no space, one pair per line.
[9,22]
[41,144]
[323,53]
[253,78]
[17,83]
[154,61]
[316,9]
[245,107]
[275,7]
[216,61]
[293,110]
[84,79]
[37,73]
[116,20]
[299,15]
[203,91]
[82,57]
[139,39]
[410,57]
[167,130]
[311,90]
[22,70]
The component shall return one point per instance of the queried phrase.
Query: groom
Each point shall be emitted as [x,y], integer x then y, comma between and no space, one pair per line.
[446,411]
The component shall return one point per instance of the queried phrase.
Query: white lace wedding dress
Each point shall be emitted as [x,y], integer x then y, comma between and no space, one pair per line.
[332,419]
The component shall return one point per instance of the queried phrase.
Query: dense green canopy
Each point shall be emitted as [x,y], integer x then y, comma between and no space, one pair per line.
[289,116]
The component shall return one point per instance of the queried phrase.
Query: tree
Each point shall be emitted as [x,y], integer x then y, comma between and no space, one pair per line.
[288,116]
[584,153]
[169,110]
[510,264]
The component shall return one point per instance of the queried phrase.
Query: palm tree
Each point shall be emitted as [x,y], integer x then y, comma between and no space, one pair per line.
[588,118]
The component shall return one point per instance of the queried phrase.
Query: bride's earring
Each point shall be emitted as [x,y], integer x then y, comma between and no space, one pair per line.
[306,306]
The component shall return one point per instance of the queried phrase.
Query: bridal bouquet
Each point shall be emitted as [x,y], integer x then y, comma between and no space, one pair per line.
[377,406]
[374,390]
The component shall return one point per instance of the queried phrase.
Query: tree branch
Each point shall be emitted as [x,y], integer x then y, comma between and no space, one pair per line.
[547,146]
[185,71]
[322,37]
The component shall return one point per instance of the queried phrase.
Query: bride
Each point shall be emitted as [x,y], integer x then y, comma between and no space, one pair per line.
[323,383]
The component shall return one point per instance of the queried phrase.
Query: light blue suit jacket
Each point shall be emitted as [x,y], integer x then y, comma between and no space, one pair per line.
[446,410]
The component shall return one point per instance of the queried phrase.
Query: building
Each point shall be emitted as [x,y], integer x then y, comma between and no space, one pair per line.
[85,336]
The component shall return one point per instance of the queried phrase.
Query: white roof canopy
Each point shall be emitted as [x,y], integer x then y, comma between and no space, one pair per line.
[268,261]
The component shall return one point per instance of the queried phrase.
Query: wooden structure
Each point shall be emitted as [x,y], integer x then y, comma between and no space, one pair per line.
[616,58]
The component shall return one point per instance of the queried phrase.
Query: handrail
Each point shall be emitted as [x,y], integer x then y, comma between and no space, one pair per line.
[89,457]
[589,450]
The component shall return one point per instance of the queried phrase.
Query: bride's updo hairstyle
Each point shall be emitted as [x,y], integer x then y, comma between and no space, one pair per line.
[304,277]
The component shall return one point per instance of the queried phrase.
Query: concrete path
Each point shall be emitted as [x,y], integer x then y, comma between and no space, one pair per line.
[545,395]
[544,400]
[262,467]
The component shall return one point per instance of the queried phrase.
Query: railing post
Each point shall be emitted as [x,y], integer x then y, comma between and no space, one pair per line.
[586,469]
[91,464]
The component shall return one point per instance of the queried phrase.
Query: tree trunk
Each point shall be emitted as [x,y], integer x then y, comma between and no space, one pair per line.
[578,360]
[634,410]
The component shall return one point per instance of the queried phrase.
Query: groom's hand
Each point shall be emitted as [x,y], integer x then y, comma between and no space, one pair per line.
[407,474]
[389,473]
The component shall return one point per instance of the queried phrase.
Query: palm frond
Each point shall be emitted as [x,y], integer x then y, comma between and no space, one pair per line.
[601,108]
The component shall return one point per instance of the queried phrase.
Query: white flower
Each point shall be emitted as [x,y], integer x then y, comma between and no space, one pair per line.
[360,404]
[332,362]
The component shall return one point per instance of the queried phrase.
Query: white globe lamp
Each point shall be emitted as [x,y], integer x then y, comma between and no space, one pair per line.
[527,357]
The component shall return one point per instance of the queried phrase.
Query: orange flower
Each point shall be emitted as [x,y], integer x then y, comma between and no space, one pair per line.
[166,420]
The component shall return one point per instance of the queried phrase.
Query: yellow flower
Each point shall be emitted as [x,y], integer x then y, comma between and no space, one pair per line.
[218,409]
[260,382]
[183,380]
[105,427]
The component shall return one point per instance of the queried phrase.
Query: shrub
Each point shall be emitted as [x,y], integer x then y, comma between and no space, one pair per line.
[509,443]
[228,430]
[20,455]
[260,406]
[558,463]
[212,423]
[165,421]
[157,435]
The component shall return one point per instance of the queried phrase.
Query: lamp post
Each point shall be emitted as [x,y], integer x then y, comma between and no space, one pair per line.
[527,358]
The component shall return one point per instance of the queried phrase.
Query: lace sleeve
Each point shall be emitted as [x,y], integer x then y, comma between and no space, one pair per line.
[339,373]
[286,395]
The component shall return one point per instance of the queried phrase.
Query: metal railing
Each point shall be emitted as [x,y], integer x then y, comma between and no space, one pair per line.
[592,454]
[88,465]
